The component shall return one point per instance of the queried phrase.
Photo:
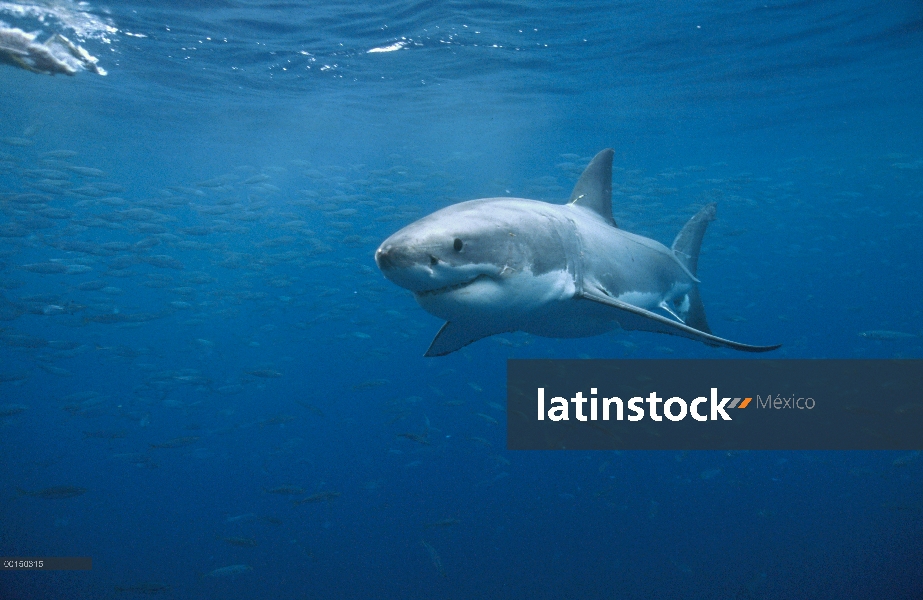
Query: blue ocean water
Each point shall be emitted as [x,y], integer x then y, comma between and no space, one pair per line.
[197,342]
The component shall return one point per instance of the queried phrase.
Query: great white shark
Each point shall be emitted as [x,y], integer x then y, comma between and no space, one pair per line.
[497,265]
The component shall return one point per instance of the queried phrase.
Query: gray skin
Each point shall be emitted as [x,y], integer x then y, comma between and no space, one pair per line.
[509,264]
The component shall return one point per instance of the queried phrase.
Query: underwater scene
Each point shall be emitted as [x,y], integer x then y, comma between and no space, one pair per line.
[236,359]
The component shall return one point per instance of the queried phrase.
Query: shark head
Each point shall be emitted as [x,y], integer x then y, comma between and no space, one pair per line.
[473,257]
[441,253]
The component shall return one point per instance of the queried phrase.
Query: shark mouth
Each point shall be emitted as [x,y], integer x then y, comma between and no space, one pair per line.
[449,288]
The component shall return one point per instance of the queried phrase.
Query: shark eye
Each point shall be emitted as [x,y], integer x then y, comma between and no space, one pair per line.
[458,245]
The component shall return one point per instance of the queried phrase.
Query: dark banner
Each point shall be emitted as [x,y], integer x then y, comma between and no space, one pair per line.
[715,404]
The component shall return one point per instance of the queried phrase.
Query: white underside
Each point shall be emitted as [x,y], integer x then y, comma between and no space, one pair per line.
[541,305]
[511,300]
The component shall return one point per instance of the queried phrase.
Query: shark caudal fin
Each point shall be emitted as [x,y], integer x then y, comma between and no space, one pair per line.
[686,250]
[594,188]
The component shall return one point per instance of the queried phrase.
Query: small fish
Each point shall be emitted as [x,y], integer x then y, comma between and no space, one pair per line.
[14,376]
[372,383]
[239,518]
[64,344]
[311,408]
[197,230]
[285,490]
[92,286]
[137,459]
[267,373]
[434,557]
[54,493]
[17,141]
[143,588]
[709,474]
[177,442]
[85,171]
[280,420]
[163,261]
[488,418]
[903,461]
[318,497]
[229,570]
[104,435]
[415,437]
[46,268]
[881,334]
[89,191]
[442,523]
[212,183]
[243,542]
[8,410]
[59,154]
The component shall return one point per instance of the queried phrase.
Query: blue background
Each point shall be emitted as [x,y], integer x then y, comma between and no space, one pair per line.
[276,152]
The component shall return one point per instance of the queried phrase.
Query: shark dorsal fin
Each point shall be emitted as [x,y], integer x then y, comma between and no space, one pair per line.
[594,188]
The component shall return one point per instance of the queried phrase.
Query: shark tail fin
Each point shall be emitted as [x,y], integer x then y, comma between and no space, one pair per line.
[686,250]
[689,240]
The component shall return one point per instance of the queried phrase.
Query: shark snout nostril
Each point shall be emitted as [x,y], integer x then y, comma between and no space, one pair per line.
[433,261]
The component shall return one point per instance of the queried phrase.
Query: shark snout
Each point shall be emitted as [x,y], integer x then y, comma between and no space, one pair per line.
[389,257]
[403,265]
[416,267]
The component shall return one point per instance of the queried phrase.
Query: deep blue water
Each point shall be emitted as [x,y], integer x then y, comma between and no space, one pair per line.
[244,315]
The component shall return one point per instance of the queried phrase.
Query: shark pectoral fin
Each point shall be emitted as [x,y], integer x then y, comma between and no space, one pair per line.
[456,335]
[632,317]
